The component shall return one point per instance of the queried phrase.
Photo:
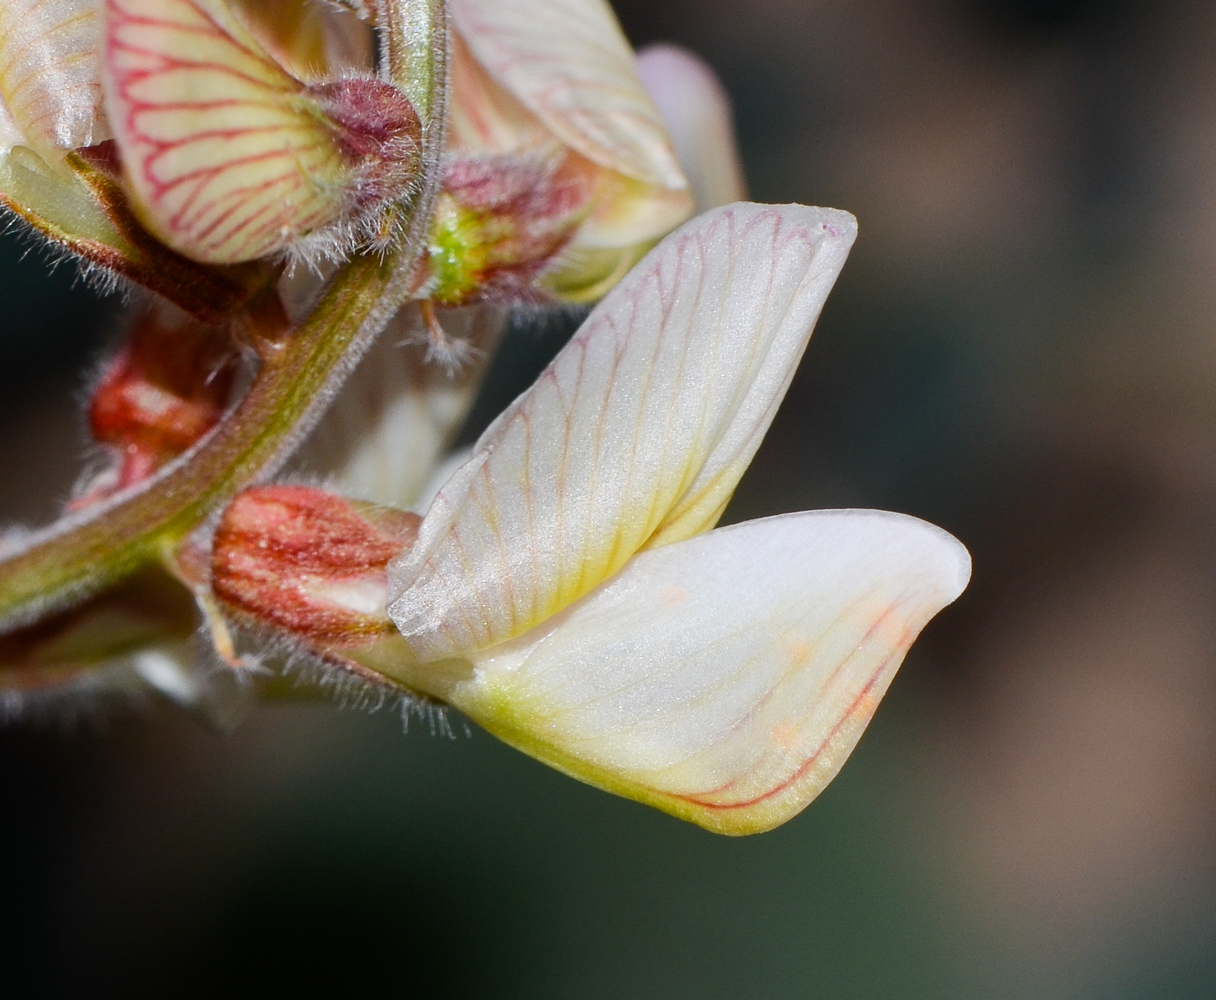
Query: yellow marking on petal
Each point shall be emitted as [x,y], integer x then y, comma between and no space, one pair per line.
[786,736]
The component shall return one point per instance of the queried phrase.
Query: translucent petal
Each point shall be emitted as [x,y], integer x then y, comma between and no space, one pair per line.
[726,678]
[384,434]
[314,42]
[569,64]
[696,111]
[485,117]
[635,436]
[223,162]
[49,73]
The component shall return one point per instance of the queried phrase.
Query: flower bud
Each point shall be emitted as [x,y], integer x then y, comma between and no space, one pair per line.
[58,167]
[539,82]
[501,222]
[310,563]
[166,388]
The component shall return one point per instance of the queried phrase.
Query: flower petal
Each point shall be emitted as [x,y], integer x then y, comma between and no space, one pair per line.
[635,436]
[696,111]
[314,42]
[485,116]
[221,160]
[49,73]
[727,678]
[569,64]
[395,416]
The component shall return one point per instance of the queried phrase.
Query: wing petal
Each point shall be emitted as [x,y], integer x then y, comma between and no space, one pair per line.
[222,162]
[724,679]
[635,436]
[49,72]
[569,64]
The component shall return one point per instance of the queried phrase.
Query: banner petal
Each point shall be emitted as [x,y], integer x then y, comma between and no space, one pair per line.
[635,436]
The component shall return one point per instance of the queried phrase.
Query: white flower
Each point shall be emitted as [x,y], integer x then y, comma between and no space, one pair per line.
[567,593]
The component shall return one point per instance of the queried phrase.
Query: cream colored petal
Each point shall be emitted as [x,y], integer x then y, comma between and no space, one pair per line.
[485,117]
[312,41]
[50,73]
[568,62]
[635,436]
[727,678]
[696,111]
[627,213]
[396,415]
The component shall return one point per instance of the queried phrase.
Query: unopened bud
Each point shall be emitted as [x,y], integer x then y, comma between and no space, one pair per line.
[501,221]
[167,387]
[310,563]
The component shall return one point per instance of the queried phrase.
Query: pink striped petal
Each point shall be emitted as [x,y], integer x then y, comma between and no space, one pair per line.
[634,437]
[569,64]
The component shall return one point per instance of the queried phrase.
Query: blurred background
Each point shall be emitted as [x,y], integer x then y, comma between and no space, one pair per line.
[1022,349]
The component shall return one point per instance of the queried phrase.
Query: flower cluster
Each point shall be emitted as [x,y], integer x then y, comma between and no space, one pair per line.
[300,187]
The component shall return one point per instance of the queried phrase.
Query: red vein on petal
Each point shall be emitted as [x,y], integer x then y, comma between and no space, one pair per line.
[205,207]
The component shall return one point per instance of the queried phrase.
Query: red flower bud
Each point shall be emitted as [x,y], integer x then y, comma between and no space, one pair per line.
[164,390]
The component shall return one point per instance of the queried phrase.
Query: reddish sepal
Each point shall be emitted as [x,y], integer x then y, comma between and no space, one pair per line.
[308,562]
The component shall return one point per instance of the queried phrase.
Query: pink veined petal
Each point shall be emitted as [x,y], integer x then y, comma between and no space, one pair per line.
[635,436]
[222,163]
[569,64]
[725,678]
[696,111]
[485,117]
[50,74]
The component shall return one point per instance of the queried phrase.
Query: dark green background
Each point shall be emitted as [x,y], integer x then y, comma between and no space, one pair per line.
[1018,350]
